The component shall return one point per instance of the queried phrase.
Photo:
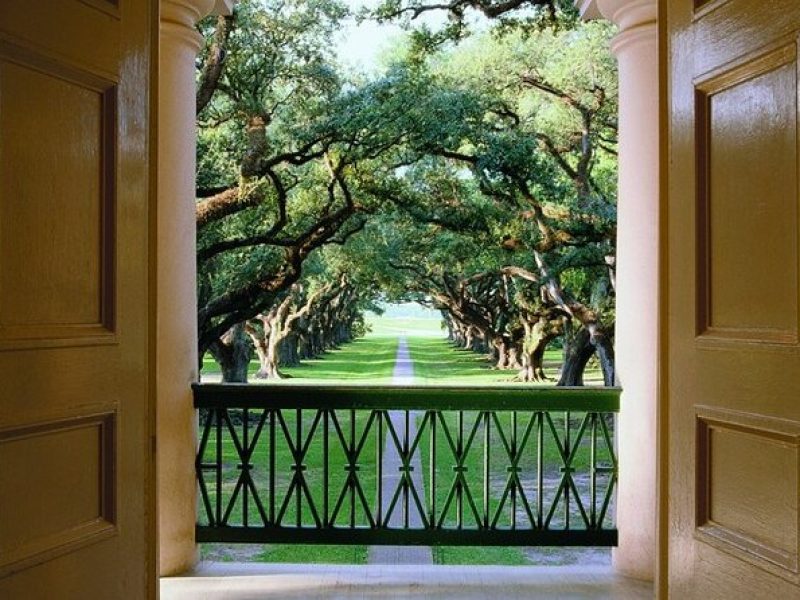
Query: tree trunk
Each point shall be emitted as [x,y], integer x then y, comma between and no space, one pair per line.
[304,346]
[469,339]
[537,336]
[289,355]
[233,352]
[261,352]
[578,349]
[505,353]
[259,339]
[513,358]
[449,326]
[528,371]
[272,360]
[605,354]
[500,350]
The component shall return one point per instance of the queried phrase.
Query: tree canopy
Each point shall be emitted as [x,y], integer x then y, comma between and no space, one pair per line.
[476,177]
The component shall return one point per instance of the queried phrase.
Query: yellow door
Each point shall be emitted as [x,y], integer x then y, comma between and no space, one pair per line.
[732,329]
[76,483]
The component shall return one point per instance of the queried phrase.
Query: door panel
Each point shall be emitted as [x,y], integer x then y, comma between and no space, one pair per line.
[75,185]
[57,242]
[733,298]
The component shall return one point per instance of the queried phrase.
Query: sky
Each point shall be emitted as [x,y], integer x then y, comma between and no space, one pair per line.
[361,45]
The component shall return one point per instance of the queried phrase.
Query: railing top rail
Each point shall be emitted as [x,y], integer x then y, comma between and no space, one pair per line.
[428,397]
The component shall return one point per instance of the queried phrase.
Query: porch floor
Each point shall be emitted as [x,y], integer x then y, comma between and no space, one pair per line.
[250,581]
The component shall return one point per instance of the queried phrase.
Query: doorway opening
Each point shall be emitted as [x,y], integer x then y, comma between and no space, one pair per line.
[410,185]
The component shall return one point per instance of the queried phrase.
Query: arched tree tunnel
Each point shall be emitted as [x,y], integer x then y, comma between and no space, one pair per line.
[477,178]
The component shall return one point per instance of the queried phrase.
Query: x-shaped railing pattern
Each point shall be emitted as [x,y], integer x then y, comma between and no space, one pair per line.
[499,466]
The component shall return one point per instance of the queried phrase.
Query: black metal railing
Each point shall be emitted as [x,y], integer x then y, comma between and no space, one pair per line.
[514,466]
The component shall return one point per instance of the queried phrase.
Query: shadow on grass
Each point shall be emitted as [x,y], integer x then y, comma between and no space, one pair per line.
[439,361]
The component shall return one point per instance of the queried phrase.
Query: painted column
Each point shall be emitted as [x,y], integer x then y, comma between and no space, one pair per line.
[176,345]
[636,49]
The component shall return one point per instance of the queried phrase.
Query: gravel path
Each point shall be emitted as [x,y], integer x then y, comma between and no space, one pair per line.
[401,555]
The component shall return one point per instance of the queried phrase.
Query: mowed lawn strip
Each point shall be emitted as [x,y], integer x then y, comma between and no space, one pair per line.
[436,361]
[367,360]
[370,359]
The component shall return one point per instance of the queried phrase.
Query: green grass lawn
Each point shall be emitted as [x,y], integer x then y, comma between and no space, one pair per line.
[437,361]
[496,486]
[371,360]
[313,476]
[405,326]
[366,360]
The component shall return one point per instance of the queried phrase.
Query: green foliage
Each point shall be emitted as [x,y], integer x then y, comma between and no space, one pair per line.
[462,16]
[454,166]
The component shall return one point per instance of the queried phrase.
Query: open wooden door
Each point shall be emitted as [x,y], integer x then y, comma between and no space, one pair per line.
[733,283]
[76,476]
